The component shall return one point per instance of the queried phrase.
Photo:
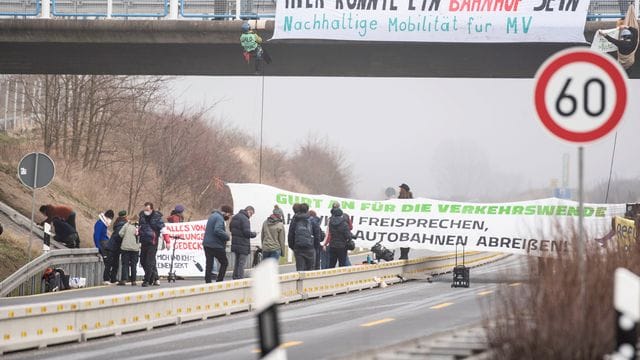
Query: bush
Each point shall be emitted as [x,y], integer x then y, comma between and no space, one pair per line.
[545,319]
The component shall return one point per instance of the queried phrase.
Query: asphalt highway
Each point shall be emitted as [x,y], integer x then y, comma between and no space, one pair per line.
[330,327]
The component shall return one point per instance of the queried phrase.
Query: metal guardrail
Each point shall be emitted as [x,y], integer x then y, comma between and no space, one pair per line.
[20,7]
[39,325]
[206,9]
[85,263]
[608,9]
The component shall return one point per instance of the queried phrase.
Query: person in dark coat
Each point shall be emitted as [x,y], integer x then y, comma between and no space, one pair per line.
[628,41]
[215,243]
[405,193]
[313,216]
[112,250]
[150,226]
[340,234]
[65,233]
[305,254]
[63,212]
[240,240]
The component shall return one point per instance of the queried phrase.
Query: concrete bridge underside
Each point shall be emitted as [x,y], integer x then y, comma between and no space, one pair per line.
[212,48]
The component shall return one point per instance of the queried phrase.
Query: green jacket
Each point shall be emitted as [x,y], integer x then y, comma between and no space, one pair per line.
[250,41]
[273,235]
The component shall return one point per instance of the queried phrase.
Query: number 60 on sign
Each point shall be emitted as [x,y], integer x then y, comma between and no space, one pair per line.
[580,95]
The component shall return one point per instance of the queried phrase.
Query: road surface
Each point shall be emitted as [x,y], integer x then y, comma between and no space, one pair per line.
[326,328]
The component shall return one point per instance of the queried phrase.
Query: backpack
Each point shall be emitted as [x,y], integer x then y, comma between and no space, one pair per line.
[303,234]
[54,280]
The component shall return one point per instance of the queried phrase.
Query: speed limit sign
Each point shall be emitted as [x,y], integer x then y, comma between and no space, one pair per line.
[580,95]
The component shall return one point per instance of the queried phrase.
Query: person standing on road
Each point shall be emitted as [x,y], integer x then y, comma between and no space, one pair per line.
[315,220]
[337,241]
[215,243]
[273,235]
[405,193]
[240,240]
[150,226]
[130,251]
[327,241]
[100,231]
[304,236]
[112,250]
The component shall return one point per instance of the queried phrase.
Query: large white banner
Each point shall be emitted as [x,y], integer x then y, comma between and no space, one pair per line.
[537,227]
[432,20]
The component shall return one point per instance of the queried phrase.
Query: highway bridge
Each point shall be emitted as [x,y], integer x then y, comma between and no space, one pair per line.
[179,47]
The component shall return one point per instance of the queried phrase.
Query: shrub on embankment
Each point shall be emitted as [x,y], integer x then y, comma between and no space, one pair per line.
[545,320]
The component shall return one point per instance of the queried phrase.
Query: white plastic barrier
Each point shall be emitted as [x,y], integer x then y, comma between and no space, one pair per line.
[32,326]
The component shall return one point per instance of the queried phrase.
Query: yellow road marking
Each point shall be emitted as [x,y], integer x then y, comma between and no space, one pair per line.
[377,322]
[482,293]
[440,306]
[515,284]
[288,344]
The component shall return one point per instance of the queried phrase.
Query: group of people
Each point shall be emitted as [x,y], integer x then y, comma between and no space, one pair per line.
[313,248]
[133,238]
[136,238]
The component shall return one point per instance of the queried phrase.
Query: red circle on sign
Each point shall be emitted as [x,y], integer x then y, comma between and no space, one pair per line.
[573,56]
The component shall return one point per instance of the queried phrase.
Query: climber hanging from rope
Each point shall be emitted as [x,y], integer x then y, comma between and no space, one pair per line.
[627,43]
[252,46]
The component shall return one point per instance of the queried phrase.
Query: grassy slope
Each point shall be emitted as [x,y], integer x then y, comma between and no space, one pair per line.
[13,255]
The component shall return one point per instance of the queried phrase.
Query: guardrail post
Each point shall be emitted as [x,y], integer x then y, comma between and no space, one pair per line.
[109,8]
[173,9]
[238,9]
[46,9]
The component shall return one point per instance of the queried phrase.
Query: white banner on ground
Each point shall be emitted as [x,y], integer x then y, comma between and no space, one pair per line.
[432,20]
[600,44]
[537,227]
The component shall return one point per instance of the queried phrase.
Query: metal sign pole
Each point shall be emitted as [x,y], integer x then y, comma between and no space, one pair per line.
[581,243]
[33,205]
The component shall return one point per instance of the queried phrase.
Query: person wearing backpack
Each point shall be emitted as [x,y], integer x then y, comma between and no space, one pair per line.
[339,234]
[130,250]
[149,233]
[240,240]
[304,236]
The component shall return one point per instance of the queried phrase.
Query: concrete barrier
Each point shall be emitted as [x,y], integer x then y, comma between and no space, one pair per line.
[36,326]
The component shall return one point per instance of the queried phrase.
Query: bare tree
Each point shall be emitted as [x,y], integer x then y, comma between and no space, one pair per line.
[322,167]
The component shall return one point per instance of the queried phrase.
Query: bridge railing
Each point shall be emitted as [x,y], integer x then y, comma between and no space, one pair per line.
[84,263]
[207,9]
[609,9]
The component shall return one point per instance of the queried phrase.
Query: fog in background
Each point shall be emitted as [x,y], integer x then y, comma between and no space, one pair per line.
[463,139]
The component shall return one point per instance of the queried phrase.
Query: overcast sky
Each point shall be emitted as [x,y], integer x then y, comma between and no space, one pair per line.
[437,135]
